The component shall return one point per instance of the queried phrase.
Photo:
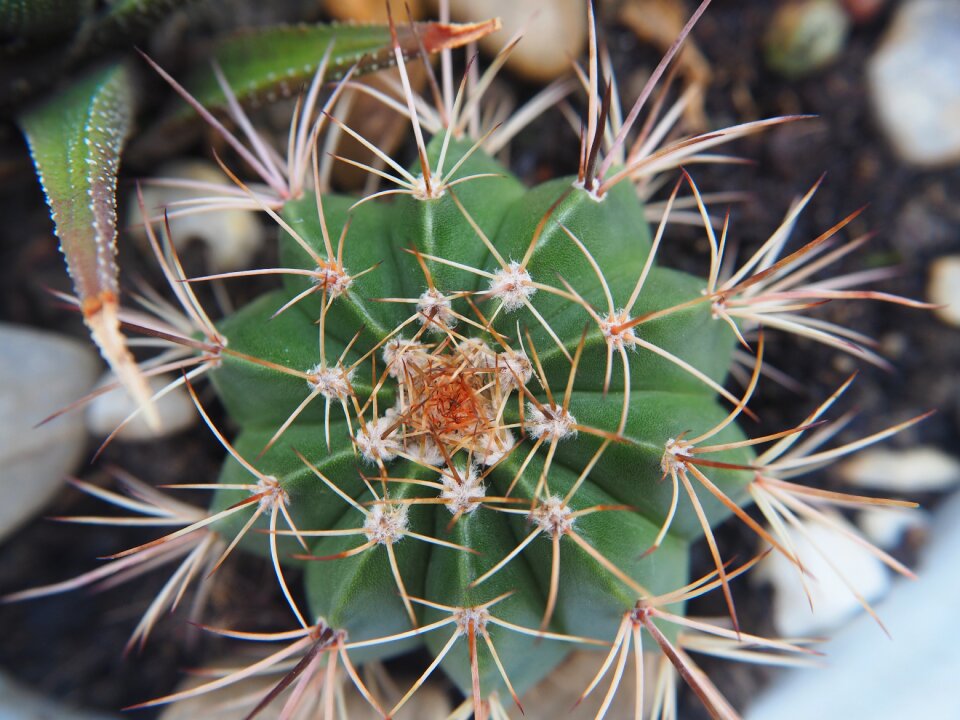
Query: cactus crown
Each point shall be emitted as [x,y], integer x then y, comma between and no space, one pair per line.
[482,418]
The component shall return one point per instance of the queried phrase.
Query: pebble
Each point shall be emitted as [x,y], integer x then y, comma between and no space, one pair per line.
[554,33]
[833,603]
[944,288]
[231,237]
[105,412]
[905,472]
[915,85]
[40,373]
[804,36]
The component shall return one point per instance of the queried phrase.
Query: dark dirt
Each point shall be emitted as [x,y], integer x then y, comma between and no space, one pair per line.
[70,647]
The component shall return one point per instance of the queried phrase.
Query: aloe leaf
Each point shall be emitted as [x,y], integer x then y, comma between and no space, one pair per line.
[125,14]
[75,139]
[260,64]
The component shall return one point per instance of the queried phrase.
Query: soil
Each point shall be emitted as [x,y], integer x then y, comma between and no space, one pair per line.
[71,646]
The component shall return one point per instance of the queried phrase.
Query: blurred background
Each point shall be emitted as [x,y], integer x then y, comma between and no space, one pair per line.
[881,81]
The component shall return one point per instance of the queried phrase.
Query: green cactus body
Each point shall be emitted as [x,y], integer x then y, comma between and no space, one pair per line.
[460,367]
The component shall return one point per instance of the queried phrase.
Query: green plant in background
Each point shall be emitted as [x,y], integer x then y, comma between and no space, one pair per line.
[41,40]
[480,417]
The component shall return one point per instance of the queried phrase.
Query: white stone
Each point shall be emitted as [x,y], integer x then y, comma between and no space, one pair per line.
[554,31]
[912,674]
[944,288]
[107,411]
[919,469]
[914,82]
[885,527]
[833,603]
[231,237]
[40,373]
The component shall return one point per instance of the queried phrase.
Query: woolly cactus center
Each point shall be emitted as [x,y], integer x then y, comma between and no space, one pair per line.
[331,382]
[453,404]
[453,399]
[554,516]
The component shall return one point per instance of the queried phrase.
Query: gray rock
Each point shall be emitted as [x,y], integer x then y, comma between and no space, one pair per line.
[40,373]
[914,82]
[912,674]
[18,703]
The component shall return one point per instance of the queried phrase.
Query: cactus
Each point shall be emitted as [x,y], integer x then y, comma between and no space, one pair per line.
[482,418]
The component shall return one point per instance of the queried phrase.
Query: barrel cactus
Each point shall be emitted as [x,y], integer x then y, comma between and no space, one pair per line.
[482,418]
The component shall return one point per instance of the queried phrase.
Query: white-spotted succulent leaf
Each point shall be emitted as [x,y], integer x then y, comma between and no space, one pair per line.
[76,138]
